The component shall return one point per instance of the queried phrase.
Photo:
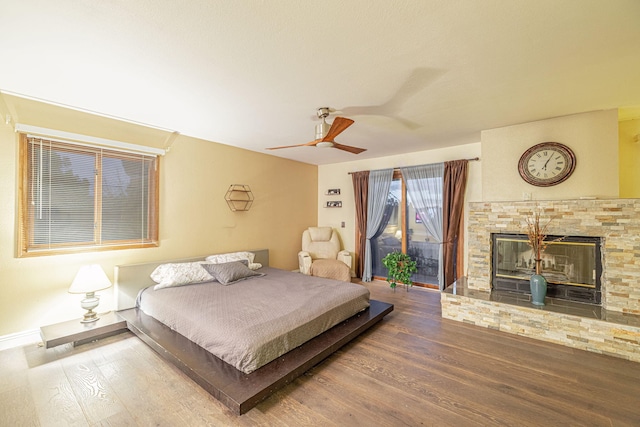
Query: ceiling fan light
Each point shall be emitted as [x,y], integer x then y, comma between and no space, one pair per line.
[324,144]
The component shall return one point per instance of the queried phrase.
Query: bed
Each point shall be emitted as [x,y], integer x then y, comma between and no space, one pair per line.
[251,360]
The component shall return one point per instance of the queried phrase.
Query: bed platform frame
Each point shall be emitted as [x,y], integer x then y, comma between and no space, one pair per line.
[238,391]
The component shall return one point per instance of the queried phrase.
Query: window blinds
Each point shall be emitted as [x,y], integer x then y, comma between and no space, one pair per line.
[80,196]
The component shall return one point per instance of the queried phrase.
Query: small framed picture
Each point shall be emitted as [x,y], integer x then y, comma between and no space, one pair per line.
[333,191]
[334,204]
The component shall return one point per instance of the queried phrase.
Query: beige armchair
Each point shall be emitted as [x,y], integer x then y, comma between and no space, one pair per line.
[321,255]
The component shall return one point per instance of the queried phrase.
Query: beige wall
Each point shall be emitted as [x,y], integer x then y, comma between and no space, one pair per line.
[629,130]
[194,217]
[593,137]
[337,176]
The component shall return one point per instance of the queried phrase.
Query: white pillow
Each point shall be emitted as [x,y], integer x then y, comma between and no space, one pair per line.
[178,274]
[235,256]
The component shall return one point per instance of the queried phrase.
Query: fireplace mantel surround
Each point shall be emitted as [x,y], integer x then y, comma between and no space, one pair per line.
[616,221]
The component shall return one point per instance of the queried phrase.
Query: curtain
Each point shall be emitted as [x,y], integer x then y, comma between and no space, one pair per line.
[424,186]
[390,206]
[455,184]
[379,183]
[360,193]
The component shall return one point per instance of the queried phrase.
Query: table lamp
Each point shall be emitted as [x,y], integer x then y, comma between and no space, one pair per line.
[89,280]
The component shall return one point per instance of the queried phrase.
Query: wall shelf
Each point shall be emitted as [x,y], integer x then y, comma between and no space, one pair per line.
[239,197]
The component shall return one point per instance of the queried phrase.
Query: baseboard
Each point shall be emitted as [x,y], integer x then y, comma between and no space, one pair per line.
[19,339]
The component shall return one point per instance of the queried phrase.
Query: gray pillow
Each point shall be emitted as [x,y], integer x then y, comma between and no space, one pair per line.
[229,273]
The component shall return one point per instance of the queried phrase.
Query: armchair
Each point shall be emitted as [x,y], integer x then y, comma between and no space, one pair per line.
[321,255]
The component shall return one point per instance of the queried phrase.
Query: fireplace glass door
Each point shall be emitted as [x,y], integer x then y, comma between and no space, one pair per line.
[571,265]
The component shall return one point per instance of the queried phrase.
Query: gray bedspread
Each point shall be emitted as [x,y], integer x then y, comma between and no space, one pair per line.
[250,323]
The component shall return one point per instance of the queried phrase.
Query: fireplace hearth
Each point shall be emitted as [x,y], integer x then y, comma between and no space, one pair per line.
[571,264]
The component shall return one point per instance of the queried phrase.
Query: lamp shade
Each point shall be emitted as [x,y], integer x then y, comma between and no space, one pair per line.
[90,278]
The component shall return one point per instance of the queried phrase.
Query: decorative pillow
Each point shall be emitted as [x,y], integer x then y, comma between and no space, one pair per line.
[234,256]
[229,273]
[178,274]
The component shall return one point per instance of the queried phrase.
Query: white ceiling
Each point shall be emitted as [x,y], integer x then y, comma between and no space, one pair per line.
[413,74]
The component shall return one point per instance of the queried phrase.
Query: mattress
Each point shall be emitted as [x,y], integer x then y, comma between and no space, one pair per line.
[252,322]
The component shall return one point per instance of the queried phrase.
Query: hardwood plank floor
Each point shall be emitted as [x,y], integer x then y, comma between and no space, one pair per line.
[413,368]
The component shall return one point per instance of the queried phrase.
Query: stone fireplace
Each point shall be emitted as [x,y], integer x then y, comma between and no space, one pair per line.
[612,328]
[616,221]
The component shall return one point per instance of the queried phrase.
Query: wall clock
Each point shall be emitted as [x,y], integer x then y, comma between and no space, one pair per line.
[547,164]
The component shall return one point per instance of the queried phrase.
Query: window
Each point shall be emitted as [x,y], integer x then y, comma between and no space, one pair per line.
[79,198]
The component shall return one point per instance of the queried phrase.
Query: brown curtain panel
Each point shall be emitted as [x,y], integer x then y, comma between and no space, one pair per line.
[360,193]
[454,186]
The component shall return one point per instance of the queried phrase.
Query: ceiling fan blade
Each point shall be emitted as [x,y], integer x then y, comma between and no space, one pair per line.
[354,150]
[307,144]
[337,127]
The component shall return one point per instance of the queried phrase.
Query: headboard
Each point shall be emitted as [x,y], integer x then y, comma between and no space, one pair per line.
[130,279]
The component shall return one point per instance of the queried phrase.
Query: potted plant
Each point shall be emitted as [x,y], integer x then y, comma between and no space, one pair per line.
[401,267]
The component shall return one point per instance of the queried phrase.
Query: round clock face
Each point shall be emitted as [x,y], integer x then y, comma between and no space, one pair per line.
[546,164]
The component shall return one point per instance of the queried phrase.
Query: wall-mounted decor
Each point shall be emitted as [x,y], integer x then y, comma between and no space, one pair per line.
[239,197]
[334,204]
[333,191]
[547,164]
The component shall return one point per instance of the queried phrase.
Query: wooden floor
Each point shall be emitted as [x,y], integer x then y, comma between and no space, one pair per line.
[413,368]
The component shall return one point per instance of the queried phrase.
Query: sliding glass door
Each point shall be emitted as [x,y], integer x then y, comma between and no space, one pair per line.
[402,229]
[389,235]
[421,247]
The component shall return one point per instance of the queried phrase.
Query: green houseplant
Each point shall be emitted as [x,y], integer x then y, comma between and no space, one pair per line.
[401,267]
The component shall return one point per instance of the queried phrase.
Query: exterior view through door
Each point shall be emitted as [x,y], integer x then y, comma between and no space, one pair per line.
[403,229]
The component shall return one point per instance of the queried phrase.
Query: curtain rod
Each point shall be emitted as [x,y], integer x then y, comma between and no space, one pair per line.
[475,159]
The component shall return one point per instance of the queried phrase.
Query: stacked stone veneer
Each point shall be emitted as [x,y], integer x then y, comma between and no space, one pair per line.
[616,221]
[612,336]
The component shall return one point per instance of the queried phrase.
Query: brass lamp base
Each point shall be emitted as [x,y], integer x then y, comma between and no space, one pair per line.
[89,317]
[89,302]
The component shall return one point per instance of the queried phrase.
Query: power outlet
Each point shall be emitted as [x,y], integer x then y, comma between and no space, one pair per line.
[342,224]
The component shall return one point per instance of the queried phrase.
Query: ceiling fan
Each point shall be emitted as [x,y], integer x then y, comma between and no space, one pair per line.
[326,133]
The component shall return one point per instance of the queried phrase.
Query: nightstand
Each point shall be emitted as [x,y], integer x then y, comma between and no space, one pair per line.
[80,333]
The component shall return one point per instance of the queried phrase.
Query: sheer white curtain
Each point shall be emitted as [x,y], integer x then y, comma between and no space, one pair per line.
[425,186]
[379,183]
